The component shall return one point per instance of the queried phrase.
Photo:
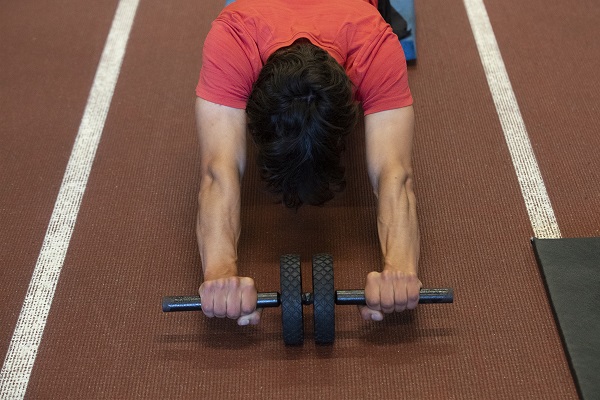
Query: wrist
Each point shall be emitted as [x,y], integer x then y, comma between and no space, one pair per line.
[220,273]
[406,268]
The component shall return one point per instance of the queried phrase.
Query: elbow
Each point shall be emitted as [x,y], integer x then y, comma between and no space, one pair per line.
[409,181]
[208,175]
[215,176]
[396,180]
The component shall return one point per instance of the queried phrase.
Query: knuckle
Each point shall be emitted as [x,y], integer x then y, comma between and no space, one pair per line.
[372,292]
[387,305]
[233,283]
[387,275]
[373,303]
[393,274]
[232,310]
[245,282]
[413,298]
[207,309]
[248,308]
[373,276]
[218,284]
[206,287]
[219,312]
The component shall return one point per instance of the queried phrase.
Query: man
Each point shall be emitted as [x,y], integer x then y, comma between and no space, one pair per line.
[289,72]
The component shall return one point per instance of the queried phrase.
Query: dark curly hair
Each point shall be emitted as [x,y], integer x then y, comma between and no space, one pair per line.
[300,110]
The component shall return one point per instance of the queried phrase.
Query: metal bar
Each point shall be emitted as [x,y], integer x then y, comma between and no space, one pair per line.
[193,303]
[426,296]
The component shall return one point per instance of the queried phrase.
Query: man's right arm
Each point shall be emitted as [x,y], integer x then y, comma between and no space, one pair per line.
[222,137]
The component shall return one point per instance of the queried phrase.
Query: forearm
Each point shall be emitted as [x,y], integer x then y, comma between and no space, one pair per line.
[218,224]
[223,292]
[397,223]
[222,139]
[389,141]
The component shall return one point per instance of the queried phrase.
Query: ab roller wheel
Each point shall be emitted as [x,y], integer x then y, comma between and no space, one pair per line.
[323,299]
[292,299]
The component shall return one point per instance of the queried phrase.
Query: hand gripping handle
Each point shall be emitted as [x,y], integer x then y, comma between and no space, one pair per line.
[426,296]
[272,299]
[194,303]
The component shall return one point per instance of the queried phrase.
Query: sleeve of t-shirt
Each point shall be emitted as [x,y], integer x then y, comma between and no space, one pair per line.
[383,82]
[230,64]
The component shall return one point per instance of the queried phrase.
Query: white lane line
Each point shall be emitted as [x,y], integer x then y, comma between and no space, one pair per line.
[539,208]
[27,336]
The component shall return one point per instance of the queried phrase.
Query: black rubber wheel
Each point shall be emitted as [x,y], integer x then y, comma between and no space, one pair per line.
[324,299]
[292,317]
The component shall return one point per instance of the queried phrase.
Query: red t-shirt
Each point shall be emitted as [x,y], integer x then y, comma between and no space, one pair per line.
[353,32]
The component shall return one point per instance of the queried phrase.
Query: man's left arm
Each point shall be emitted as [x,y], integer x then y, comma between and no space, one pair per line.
[389,142]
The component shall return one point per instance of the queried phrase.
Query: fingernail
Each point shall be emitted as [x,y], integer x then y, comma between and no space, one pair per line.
[376,317]
[243,322]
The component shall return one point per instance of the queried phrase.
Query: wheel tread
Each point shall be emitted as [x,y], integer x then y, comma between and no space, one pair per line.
[292,317]
[324,299]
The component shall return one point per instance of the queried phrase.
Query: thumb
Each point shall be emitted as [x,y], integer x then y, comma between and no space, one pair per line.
[251,319]
[370,315]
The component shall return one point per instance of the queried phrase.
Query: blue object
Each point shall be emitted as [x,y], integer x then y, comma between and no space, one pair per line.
[406,8]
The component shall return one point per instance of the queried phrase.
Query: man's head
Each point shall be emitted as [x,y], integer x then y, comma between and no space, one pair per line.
[299,112]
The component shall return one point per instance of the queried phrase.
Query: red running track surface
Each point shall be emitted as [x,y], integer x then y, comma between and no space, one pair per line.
[134,242]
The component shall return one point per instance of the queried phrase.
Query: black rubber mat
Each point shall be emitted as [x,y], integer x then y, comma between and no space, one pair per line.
[571,269]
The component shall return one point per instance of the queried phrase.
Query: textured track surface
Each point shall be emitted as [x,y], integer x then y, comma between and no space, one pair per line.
[134,242]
